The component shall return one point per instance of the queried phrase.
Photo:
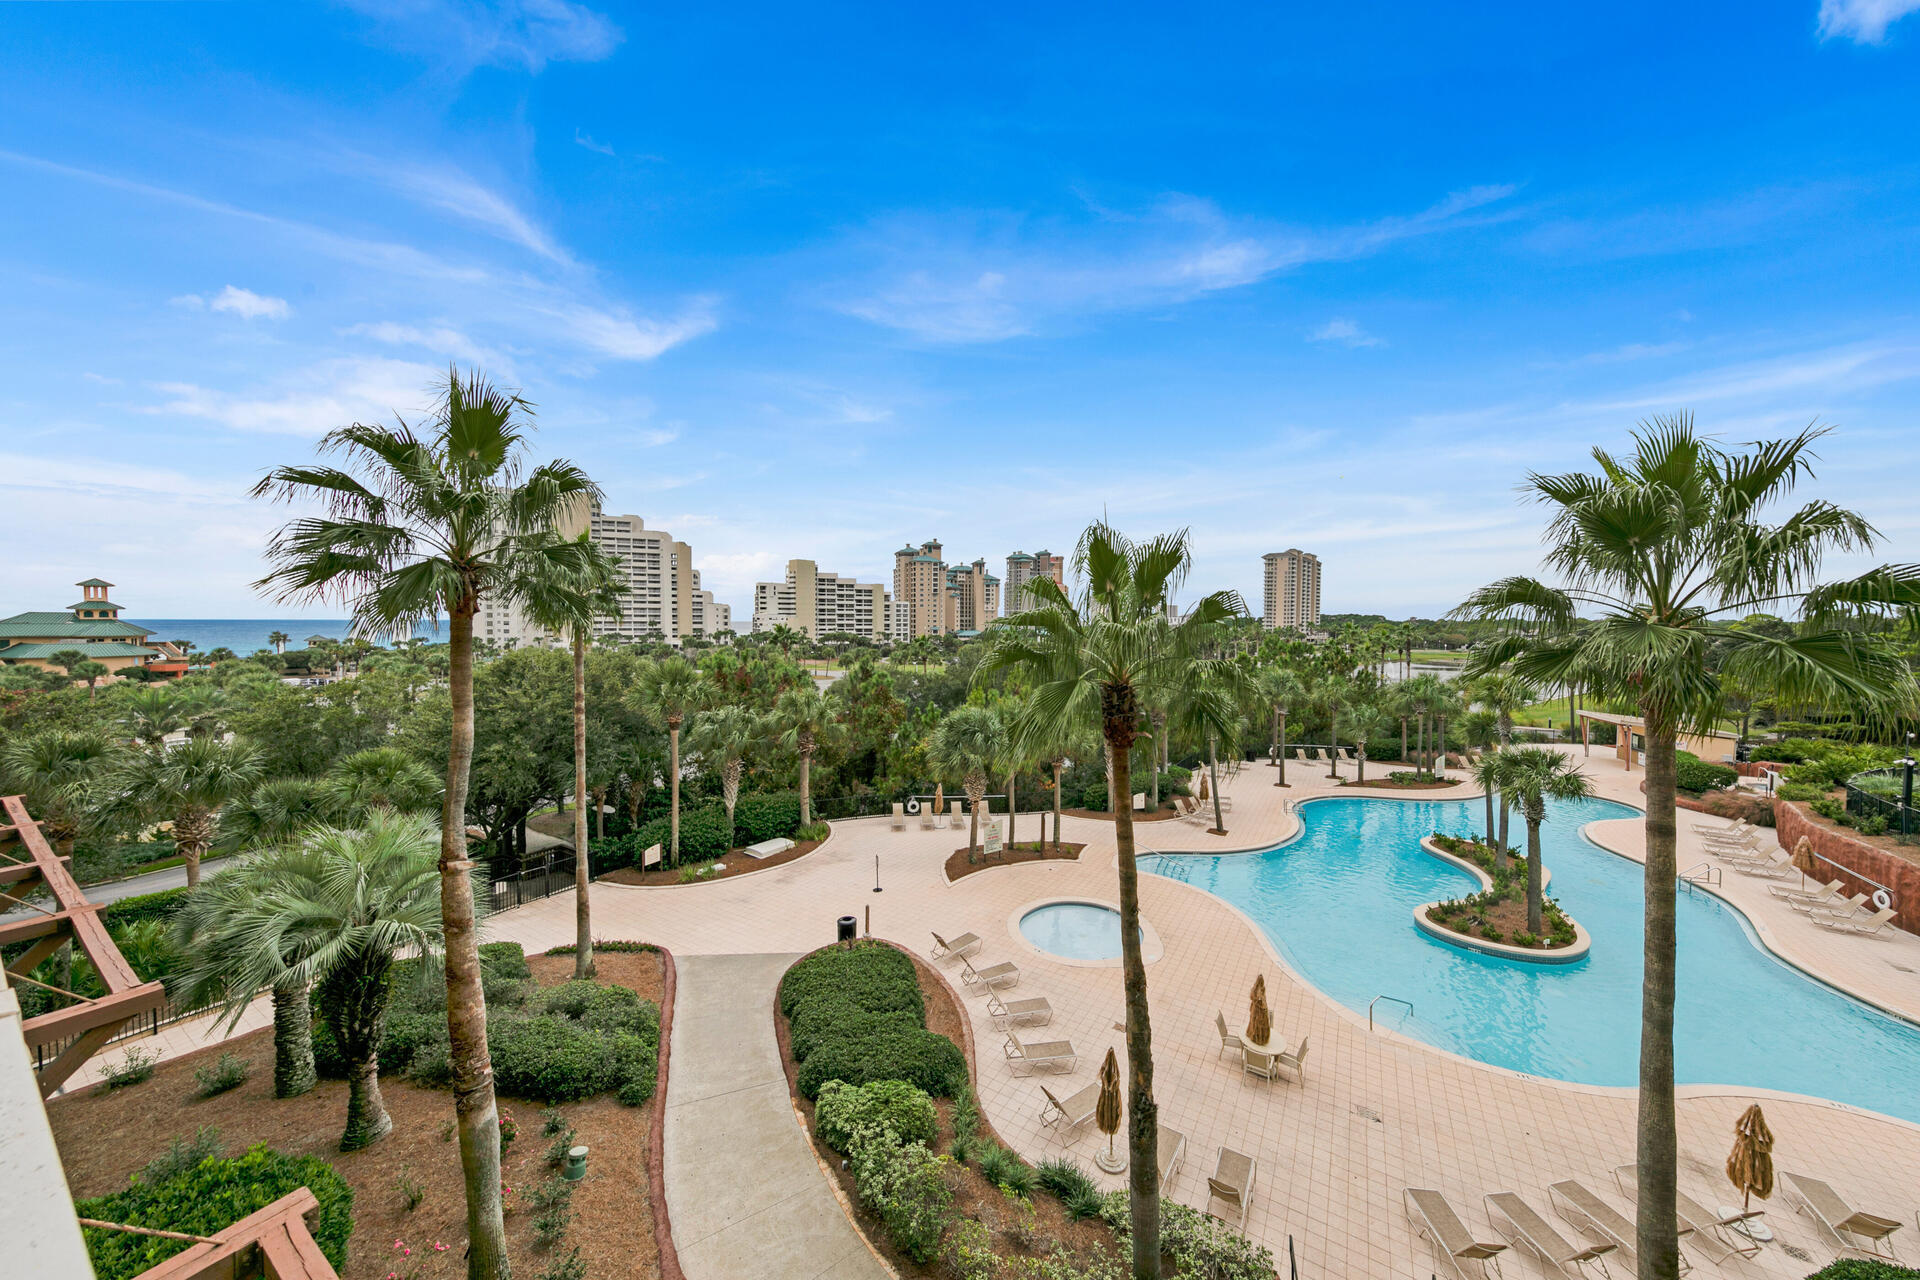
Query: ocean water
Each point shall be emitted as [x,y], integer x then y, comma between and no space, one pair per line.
[244,635]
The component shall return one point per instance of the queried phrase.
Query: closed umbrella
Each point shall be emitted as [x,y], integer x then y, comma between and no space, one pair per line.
[1203,786]
[1750,1163]
[1106,1112]
[1803,856]
[1259,1019]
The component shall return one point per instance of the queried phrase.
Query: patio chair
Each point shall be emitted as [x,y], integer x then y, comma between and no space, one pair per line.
[1172,1149]
[1052,1055]
[1587,1211]
[1709,1231]
[1834,906]
[1034,1011]
[1299,755]
[1859,1233]
[1829,892]
[1739,827]
[964,945]
[899,820]
[1864,925]
[929,817]
[1255,1063]
[1347,754]
[1296,1062]
[1748,839]
[1525,1227]
[1064,1117]
[1232,1185]
[1435,1219]
[1775,865]
[1004,974]
[955,818]
[1229,1042]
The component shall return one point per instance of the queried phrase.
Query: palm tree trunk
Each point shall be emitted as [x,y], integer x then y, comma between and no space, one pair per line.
[1159,738]
[293,1072]
[582,913]
[1360,775]
[806,788]
[1143,1113]
[1533,875]
[367,1118]
[1056,806]
[1283,750]
[1500,852]
[1013,809]
[1440,745]
[1213,768]
[1488,797]
[473,1103]
[1656,1237]
[1273,750]
[1403,738]
[600,812]
[673,783]
[1333,744]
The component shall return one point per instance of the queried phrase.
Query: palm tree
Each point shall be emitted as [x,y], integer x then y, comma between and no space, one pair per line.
[1490,775]
[156,711]
[1652,549]
[783,638]
[278,639]
[1329,692]
[380,778]
[67,660]
[807,723]
[722,738]
[1533,776]
[672,689]
[1504,693]
[330,913]
[275,811]
[55,770]
[594,588]
[92,672]
[969,744]
[1283,689]
[1366,720]
[424,524]
[1100,650]
[187,786]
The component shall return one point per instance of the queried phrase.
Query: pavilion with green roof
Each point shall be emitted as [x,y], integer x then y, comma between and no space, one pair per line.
[90,626]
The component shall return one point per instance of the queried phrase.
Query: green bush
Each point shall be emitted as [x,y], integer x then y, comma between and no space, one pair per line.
[836,1017]
[894,1105]
[230,1072]
[905,1186]
[1198,1245]
[506,959]
[764,816]
[1093,796]
[211,1197]
[1863,1269]
[1801,791]
[1691,773]
[931,1061]
[870,975]
[1064,1179]
[548,1059]
[146,906]
[1005,1170]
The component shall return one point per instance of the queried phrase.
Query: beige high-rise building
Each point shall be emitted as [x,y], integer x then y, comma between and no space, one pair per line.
[1023,568]
[820,604]
[920,583]
[973,598]
[1292,590]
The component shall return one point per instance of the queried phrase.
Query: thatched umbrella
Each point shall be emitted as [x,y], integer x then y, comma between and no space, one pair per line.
[1803,858]
[1106,1113]
[1203,786]
[939,799]
[1750,1163]
[1259,1020]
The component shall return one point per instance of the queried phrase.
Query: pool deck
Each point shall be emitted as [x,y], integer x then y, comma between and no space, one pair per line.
[1378,1112]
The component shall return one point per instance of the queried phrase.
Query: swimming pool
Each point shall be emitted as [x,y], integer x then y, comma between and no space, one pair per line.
[1743,1017]
[1076,930]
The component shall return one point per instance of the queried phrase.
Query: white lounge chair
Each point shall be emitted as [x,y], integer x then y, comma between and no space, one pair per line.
[1864,925]
[1866,1235]
[1435,1219]
[1775,865]
[899,820]
[1524,1226]
[1229,1042]
[1232,1185]
[1034,1011]
[1739,826]
[1064,1117]
[1829,892]
[1004,974]
[1052,1055]
[929,818]
[1708,1231]
[1834,906]
[956,819]
[1588,1212]
[964,945]
[1296,1062]
[1170,1151]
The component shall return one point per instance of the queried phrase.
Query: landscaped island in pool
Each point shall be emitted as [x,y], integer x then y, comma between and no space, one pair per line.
[1338,900]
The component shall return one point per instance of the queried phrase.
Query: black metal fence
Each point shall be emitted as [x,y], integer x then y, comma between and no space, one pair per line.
[1878,794]
[543,879]
[147,1024]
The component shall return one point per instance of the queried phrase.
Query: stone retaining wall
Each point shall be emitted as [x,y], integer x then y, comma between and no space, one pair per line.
[1791,822]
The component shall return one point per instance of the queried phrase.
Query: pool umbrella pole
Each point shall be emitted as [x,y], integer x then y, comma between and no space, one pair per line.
[1106,1113]
[1259,1019]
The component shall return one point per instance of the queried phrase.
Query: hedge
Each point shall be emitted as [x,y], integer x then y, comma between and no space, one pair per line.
[1863,1269]
[763,816]
[145,906]
[894,1105]
[871,975]
[821,1021]
[1691,773]
[208,1198]
[920,1057]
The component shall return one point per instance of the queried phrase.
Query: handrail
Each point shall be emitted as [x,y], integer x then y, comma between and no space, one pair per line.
[1712,876]
[1377,999]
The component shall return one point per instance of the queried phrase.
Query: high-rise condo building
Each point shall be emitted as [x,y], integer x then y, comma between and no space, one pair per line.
[1292,590]
[820,604]
[1023,568]
[920,583]
[973,598]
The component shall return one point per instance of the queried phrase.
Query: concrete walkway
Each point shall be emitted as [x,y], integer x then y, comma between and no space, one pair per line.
[747,1197]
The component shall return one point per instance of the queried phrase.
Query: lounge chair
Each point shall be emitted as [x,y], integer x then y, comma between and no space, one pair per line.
[1004,974]
[1773,866]
[899,820]
[965,944]
[1299,755]
[1526,1228]
[1228,1040]
[1749,839]
[956,819]
[1707,1230]
[1740,827]
[1296,1062]
[1232,1185]
[1171,1150]
[1435,1219]
[1347,754]
[1587,1211]
[1858,1233]
[1034,1011]
[1830,892]
[1053,1055]
[1864,925]
[929,818]
[1064,1117]
[1255,1063]
[1834,906]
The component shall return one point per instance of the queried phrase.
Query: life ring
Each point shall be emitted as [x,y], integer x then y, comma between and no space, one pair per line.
[913,806]
[1882,899]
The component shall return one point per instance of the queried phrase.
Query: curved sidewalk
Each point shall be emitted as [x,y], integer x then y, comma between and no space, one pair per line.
[747,1197]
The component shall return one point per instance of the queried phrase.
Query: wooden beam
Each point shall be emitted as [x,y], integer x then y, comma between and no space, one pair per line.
[27,928]
[279,1231]
[73,1057]
[75,1018]
[31,958]
[11,872]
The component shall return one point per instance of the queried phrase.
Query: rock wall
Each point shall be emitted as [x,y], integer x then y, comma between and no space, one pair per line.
[1791,821]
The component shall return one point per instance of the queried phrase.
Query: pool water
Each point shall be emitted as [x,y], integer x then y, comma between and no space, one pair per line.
[1076,930]
[1743,1017]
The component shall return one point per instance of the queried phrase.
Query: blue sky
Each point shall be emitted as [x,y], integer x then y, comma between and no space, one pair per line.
[812,281]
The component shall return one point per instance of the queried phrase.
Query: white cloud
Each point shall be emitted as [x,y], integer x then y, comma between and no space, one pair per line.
[471,33]
[1346,332]
[453,191]
[438,339]
[586,140]
[654,438]
[101,378]
[627,337]
[1863,21]
[310,401]
[249,305]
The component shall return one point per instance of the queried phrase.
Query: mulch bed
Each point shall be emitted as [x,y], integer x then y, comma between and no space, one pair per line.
[1165,813]
[103,1138]
[974,1197]
[1509,917]
[737,864]
[1383,784]
[959,866]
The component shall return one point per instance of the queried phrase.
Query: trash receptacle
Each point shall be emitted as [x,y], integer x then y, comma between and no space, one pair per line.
[849,928]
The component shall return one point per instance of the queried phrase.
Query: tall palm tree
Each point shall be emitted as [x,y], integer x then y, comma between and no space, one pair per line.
[1490,774]
[1100,650]
[969,744]
[571,601]
[1365,720]
[55,769]
[275,811]
[186,786]
[278,639]
[1504,693]
[424,522]
[1533,776]
[807,723]
[1649,551]
[672,689]
[1329,692]
[380,778]
[331,913]
[722,738]
[1283,689]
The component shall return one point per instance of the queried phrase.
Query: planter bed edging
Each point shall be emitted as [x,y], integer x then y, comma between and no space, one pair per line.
[1576,950]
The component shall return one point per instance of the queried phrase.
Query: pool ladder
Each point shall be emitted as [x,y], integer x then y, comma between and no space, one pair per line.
[1377,999]
[1700,873]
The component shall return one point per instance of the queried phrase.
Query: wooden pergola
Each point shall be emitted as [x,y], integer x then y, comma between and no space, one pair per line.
[77,1032]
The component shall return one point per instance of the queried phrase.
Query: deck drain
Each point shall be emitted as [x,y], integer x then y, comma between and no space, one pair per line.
[1796,1252]
[1903,968]
[1366,1113]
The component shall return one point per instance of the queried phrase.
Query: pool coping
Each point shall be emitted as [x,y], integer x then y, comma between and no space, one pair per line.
[1576,950]
[1151,948]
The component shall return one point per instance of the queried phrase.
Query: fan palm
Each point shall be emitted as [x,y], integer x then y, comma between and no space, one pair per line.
[672,689]
[807,722]
[330,913]
[380,778]
[186,786]
[55,770]
[424,523]
[1365,720]
[1329,692]
[722,738]
[274,812]
[969,744]
[1533,776]
[1504,693]
[1489,774]
[1098,651]
[1653,547]
[1283,689]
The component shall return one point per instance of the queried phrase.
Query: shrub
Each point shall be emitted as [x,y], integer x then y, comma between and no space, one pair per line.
[408,1037]
[1801,791]
[505,959]
[230,1072]
[1198,1245]
[1093,796]
[905,1186]
[182,1155]
[412,1190]
[1863,1269]
[1063,1178]
[558,1148]
[571,1267]
[871,975]
[136,1067]
[894,1105]
[920,1057]
[1691,773]
[837,1019]
[210,1197]
[763,816]
[812,831]
[1005,1170]
[703,834]
[145,906]
[548,1059]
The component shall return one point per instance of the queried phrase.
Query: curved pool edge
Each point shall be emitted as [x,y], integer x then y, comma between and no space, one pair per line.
[1151,948]
[1576,950]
